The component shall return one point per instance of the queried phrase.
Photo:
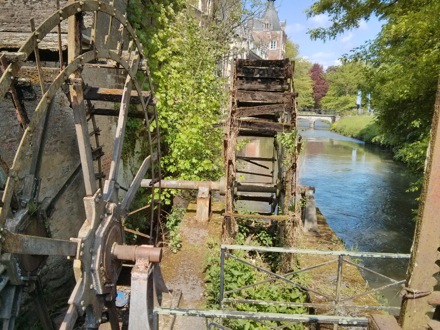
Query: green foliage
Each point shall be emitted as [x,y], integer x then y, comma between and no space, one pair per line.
[238,274]
[403,61]
[184,51]
[172,223]
[303,84]
[360,127]
[301,77]
[344,83]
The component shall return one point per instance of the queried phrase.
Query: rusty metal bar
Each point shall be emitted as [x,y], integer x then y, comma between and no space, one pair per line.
[183,184]
[254,173]
[134,252]
[319,252]
[279,276]
[256,164]
[299,318]
[308,305]
[222,276]
[285,275]
[33,245]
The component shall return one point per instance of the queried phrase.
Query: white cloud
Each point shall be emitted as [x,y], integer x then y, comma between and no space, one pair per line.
[320,20]
[347,37]
[295,28]
[363,25]
[326,59]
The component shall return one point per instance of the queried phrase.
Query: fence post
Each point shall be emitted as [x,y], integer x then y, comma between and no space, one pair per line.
[222,276]
[338,284]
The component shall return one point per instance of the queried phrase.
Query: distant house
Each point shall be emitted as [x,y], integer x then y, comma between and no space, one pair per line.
[269,33]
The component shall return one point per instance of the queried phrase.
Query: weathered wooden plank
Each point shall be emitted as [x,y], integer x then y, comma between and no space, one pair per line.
[262,84]
[115,113]
[263,72]
[263,63]
[113,95]
[272,109]
[263,125]
[267,199]
[256,133]
[258,216]
[263,97]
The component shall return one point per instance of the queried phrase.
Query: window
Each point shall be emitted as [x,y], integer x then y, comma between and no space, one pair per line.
[273,44]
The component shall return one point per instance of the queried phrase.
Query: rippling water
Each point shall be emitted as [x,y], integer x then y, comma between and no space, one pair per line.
[362,193]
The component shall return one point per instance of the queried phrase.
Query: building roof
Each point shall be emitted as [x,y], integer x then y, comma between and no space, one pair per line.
[271,16]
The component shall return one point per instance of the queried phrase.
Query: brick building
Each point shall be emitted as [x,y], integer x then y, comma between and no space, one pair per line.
[269,33]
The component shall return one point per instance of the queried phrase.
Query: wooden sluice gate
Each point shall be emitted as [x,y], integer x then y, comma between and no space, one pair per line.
[262,105]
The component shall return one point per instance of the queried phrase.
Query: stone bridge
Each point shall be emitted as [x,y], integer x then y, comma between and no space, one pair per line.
[313,117]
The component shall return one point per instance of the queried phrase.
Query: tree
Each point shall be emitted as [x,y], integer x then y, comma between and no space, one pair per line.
[404,63]
[184,48]
[344,83]
[301,76]
[320,85]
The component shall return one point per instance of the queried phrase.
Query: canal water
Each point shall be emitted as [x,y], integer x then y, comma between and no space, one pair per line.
[362,193]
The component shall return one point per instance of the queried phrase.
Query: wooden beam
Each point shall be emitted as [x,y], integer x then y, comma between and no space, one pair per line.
[115,113]
[113,95]
[263,63]
[263,125]
[262,84]
[263,97]
[271,109]
[262,72]
[258,216]
[257,133]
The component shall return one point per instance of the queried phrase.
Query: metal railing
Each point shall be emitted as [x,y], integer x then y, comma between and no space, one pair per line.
[336,303]
[321,314]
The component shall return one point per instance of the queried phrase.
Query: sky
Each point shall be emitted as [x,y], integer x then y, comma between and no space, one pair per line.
[325,53]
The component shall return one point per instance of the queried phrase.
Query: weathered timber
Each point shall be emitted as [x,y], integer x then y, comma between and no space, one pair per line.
[263,63]
[262,72]
[261,159]
[263,125]
[272,109]
[263,97]
[115,113]
[113,95]
[257,133]
[268,199]
[258,216]
[262,84]
[256,164]
[253,173]
[256,187]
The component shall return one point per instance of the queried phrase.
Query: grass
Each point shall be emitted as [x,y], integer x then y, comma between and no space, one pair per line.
[360,127]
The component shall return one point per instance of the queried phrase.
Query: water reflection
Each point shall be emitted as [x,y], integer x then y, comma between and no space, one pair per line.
[362,193]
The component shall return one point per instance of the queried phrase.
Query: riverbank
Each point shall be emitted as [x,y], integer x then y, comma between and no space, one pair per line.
[365,128]
[323,273]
